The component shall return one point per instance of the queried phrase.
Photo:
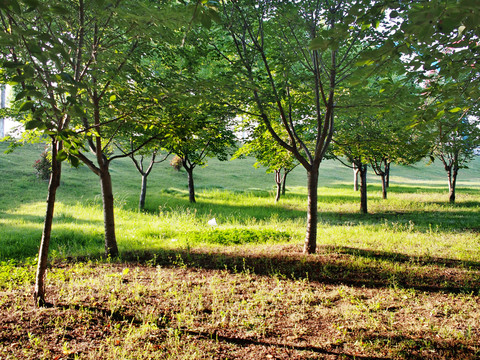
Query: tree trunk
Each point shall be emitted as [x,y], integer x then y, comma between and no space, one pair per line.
[54,183]
[111,248]
[312,212]
[452,181]
[278,182]
[363,189]
[384,185]
[387,174]
[143,193]
[191,185]
[284,182]
[356,171]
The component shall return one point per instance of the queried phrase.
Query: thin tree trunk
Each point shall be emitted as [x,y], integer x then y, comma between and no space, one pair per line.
[356,171]
[278,182]
[452,181]
[387,174]
[111,248]
[143,192]
[384,186]
[54,183]
[312,213]
[191,185]
[363,189]
[284,182]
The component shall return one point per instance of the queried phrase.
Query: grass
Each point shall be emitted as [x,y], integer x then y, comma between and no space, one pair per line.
[402,282]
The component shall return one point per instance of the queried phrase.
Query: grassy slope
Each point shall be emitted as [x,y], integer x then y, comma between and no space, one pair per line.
[239,196]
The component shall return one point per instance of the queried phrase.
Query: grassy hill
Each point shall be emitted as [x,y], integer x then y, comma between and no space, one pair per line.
[234,192]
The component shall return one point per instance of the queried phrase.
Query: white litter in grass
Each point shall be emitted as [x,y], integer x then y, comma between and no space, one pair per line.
[174,239]
[212,222]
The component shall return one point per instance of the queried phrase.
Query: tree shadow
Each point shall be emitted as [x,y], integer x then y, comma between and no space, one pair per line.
[330,267]
[402,258]
[20,235]
[452,218]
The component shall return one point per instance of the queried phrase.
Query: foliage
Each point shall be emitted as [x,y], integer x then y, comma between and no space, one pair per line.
[294,59]
[43,166]
[176,162]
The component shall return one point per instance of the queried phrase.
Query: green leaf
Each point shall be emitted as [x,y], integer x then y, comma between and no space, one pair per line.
[319,44]
[59,10]
[27,105]
[366,62]
[113,98]
[12,64]
[74,161]
[206,20]
[35,124]
[454,110]
[61,155]
[20,95]
[67,77]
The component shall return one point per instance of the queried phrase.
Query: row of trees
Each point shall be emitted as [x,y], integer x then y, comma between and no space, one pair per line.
[117,78]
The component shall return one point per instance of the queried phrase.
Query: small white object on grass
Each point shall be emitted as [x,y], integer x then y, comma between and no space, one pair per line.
[212,222]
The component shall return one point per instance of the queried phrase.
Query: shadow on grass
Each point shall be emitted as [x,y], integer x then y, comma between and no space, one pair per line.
[423,221]
[351,267]
[402,258]
[20,235]
[38,219]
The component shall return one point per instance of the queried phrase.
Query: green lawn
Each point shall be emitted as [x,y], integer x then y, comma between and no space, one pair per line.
[415,220]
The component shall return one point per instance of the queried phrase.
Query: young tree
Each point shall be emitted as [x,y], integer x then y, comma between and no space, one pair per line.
[294,84]
[68,57]
[443,56]
[455,145]
[270,155]
[35,59]
[202,135]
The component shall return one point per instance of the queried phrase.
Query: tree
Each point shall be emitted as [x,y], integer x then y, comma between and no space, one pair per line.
[31,60]
[456,142]
[68,57]
[294,84]
[136,148]
[269,154]
[204,134]
[455,130]
[442,54]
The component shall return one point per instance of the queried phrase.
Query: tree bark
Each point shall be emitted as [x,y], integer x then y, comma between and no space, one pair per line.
[384,185]
[143,192]
[191,185]
[452,182]
[278,182]
[312,212]
[284,182]
[363,189]
[54,183]
[356,171]
[387,174]
[111,248]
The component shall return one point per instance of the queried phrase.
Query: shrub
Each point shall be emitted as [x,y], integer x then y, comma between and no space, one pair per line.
[43,166]
[176,162]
